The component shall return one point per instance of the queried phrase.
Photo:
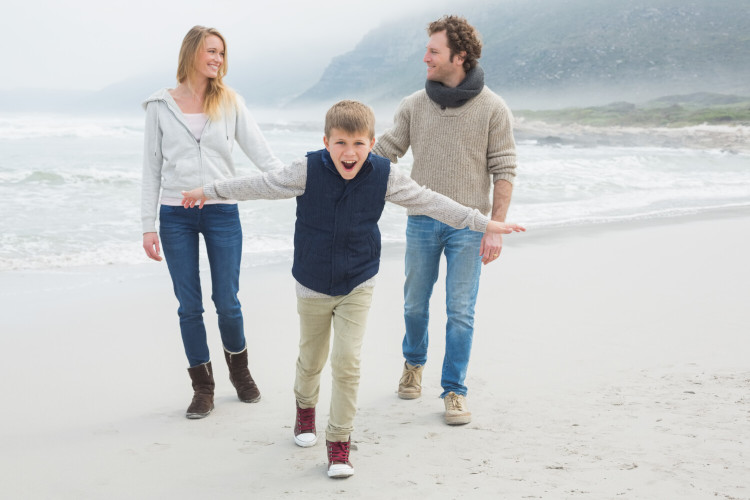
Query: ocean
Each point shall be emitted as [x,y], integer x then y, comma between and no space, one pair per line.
[71,187]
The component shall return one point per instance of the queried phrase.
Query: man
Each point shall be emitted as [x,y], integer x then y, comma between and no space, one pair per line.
[461,137]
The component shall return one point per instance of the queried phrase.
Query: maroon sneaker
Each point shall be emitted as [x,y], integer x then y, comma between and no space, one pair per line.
[339,465]
[304,428]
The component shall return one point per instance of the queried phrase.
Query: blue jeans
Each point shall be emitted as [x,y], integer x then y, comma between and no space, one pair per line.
[179,228]
[426,240]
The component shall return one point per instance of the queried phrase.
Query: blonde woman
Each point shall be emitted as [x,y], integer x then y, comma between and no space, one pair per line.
[189,136]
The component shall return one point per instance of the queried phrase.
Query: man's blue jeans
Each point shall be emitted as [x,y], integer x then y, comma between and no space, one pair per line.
[426,240]
[179,228]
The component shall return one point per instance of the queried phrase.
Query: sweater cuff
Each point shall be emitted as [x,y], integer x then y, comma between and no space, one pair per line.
[209,192]
[148,226]
[482,222]
[503,176]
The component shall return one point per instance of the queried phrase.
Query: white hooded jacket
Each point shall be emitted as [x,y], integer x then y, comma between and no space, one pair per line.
[173,161]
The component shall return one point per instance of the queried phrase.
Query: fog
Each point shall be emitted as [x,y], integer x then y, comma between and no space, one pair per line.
[90,44]
[92,57]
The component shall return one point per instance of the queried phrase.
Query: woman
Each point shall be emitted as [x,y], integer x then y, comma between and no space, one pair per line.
[189,136]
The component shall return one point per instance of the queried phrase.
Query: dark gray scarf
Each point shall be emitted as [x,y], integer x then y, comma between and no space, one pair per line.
[448,97]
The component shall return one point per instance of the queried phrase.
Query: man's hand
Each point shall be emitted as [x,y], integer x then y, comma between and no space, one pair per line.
[492,245]
[492,242]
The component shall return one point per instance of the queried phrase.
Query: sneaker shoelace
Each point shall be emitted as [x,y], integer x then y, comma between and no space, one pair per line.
[306,420]
[455,402]
[410,377]
[338,452]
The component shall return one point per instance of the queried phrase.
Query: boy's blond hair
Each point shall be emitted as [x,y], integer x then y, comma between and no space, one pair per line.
[352,117]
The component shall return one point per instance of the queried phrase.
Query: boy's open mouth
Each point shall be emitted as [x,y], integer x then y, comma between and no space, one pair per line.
[348,165]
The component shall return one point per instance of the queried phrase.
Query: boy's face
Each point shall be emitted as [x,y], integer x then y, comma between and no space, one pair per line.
[348,151]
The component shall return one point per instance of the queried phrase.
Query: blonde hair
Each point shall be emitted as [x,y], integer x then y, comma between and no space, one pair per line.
[351,117]
[217,93]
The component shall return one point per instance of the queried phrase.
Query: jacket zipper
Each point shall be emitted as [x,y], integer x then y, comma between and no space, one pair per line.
[198,144]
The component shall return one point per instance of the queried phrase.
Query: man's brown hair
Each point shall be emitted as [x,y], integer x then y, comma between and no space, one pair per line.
[462,37]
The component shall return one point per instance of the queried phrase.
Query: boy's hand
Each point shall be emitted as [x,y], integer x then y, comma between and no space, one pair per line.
[492,242]
[504,227]
[190,198]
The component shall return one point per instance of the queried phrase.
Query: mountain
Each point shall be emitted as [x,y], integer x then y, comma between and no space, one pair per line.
[538,54]
[553,53]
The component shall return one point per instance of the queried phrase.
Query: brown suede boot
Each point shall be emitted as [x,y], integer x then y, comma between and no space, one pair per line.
[203,391]
[240,376]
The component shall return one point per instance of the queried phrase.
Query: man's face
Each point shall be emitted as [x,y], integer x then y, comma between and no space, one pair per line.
[348,151]
[439,66]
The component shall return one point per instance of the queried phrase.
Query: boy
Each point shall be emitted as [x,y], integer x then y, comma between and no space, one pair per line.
[341,191]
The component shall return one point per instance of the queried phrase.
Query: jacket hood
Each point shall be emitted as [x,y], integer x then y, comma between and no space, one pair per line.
[159,95]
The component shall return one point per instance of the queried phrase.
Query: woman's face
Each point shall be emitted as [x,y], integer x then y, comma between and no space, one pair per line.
[210,58]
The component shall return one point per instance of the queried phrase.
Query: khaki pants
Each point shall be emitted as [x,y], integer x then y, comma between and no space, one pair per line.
[349,315]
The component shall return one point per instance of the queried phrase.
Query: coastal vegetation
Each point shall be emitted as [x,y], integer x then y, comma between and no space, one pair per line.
[669,111]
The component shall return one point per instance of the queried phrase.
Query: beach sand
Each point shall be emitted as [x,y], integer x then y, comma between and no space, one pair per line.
[609,362]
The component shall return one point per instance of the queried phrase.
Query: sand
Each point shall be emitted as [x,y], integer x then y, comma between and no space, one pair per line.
[609,362]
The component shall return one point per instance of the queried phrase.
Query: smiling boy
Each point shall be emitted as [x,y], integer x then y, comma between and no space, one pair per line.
[341,192]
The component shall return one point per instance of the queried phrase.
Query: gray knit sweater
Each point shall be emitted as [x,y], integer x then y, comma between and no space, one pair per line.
[459,152]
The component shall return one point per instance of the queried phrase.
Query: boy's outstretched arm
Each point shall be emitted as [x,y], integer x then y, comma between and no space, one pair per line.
[404,191]
[278,184]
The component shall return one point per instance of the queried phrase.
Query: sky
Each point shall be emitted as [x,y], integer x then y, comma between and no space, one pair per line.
[90,44]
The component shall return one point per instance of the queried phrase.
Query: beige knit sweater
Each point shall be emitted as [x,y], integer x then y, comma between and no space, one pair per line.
[459,152]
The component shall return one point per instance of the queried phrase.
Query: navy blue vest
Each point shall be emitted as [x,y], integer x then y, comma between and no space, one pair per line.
[336,237]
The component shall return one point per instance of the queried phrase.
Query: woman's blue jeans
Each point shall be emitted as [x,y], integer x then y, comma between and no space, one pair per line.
[219,224]
[426,240]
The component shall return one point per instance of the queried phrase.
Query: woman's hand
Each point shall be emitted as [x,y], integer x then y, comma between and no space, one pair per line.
[151,246]
[190,198]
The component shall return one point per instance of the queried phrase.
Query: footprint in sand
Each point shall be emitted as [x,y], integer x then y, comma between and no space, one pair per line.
[252,447]
[158,447]
[106,431]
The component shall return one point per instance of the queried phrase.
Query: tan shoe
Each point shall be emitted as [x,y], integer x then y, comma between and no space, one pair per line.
[456,412]
[410,385]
